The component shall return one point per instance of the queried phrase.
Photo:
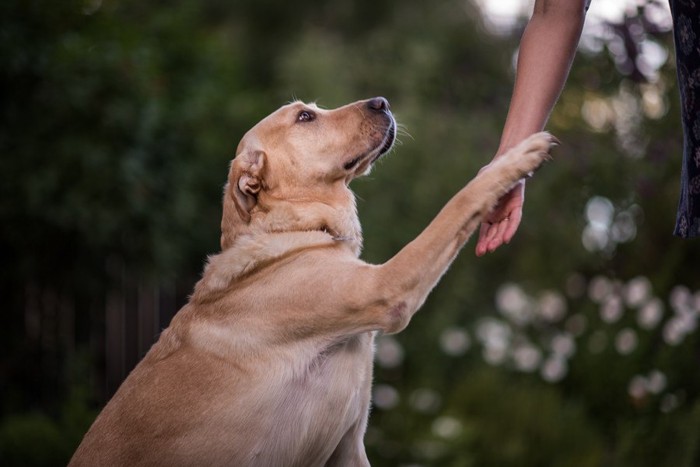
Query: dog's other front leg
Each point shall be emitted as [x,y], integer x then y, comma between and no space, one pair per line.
[402,284]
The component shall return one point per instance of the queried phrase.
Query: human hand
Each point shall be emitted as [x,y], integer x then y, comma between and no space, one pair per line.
[500,225]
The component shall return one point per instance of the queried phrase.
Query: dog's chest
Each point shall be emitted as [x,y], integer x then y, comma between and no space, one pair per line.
[323,400]
[341,371]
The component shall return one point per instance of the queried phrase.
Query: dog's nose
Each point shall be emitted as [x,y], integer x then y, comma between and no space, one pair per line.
[378,104]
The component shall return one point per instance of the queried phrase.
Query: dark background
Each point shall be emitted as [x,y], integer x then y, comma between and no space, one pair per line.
[574,345]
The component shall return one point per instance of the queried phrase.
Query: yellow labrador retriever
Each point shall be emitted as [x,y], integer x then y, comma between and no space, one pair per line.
[270,362]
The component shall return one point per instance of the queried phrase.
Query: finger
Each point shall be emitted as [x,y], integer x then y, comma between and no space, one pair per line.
[497,238]
[513,224]
[482,243]
[491,232]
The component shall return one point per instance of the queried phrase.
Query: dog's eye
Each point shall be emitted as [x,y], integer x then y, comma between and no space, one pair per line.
[306,116]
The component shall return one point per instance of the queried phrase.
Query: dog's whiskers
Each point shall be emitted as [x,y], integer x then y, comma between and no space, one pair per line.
[401,130]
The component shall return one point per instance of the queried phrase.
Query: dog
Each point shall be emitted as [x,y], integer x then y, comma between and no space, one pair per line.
[270,362]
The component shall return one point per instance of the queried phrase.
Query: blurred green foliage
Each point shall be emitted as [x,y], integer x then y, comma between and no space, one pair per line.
[118,123]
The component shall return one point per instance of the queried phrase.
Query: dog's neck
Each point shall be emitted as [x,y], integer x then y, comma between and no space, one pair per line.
[341,224]
[251,251]
[288,228]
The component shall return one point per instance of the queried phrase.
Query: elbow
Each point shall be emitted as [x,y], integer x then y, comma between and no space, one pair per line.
[396,318]
[388,300]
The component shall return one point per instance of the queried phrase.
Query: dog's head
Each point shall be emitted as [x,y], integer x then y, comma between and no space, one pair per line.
[291,170]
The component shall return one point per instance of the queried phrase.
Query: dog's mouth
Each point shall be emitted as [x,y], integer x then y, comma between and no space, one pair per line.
[389,140]
[362,163]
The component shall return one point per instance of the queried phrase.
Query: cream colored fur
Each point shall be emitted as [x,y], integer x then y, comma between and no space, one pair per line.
[270,362]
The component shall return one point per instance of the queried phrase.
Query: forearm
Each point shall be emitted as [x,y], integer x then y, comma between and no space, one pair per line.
[547,49]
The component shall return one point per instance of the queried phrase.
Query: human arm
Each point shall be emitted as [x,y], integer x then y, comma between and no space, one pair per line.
[547,50]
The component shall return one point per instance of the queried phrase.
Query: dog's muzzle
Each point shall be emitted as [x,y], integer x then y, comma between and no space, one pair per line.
[381,105]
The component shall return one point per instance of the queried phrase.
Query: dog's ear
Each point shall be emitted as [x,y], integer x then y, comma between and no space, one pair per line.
[245,181]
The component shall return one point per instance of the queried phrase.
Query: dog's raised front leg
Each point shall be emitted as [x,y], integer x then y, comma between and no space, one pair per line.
[401,285]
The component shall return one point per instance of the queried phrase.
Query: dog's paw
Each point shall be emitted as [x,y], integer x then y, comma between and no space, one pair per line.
[517,163]
[529,155]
